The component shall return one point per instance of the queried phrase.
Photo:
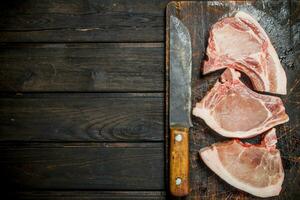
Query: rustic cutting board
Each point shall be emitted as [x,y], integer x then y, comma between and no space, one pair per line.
[281,21]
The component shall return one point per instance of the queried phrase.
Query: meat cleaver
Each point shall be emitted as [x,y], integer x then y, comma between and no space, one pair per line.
[180,106]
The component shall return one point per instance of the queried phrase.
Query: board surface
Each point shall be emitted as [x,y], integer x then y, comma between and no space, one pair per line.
[281,22]
[82,21]
[88,117]
[82,99]
[77,67]
[79,166]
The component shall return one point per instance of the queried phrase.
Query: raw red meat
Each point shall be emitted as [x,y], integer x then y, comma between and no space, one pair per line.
[240,42]
[256,169]
[233,110]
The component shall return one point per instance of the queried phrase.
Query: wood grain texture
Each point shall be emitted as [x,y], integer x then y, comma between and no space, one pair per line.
[93,195]
[81,67]
[278,19]
[179,161]
[76,20]
[58,48]
[134,117]
[80,166]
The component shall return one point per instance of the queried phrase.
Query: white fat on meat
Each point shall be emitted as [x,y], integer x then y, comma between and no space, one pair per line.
[240,42]
[234,110]
[256,169]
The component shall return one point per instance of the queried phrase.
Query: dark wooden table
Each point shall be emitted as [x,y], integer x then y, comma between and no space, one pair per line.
[82,111]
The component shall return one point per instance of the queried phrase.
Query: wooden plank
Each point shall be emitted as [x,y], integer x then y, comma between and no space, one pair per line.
[132,117]
[275,18]
[82,67]
[82,166]
[76,20]
[103,195]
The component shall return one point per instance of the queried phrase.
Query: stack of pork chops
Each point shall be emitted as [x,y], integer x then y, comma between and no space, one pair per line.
[233,110]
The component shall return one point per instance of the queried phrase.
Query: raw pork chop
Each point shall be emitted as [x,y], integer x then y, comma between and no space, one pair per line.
[233,110]
[241,43]
[256,169]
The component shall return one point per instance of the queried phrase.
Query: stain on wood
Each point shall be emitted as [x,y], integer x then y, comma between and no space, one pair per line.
[79,67]
[278,19]
[134,117]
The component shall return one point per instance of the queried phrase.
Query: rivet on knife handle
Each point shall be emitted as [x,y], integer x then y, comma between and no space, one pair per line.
[179,161]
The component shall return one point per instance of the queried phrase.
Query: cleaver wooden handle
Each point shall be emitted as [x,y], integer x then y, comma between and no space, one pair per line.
[179,161]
